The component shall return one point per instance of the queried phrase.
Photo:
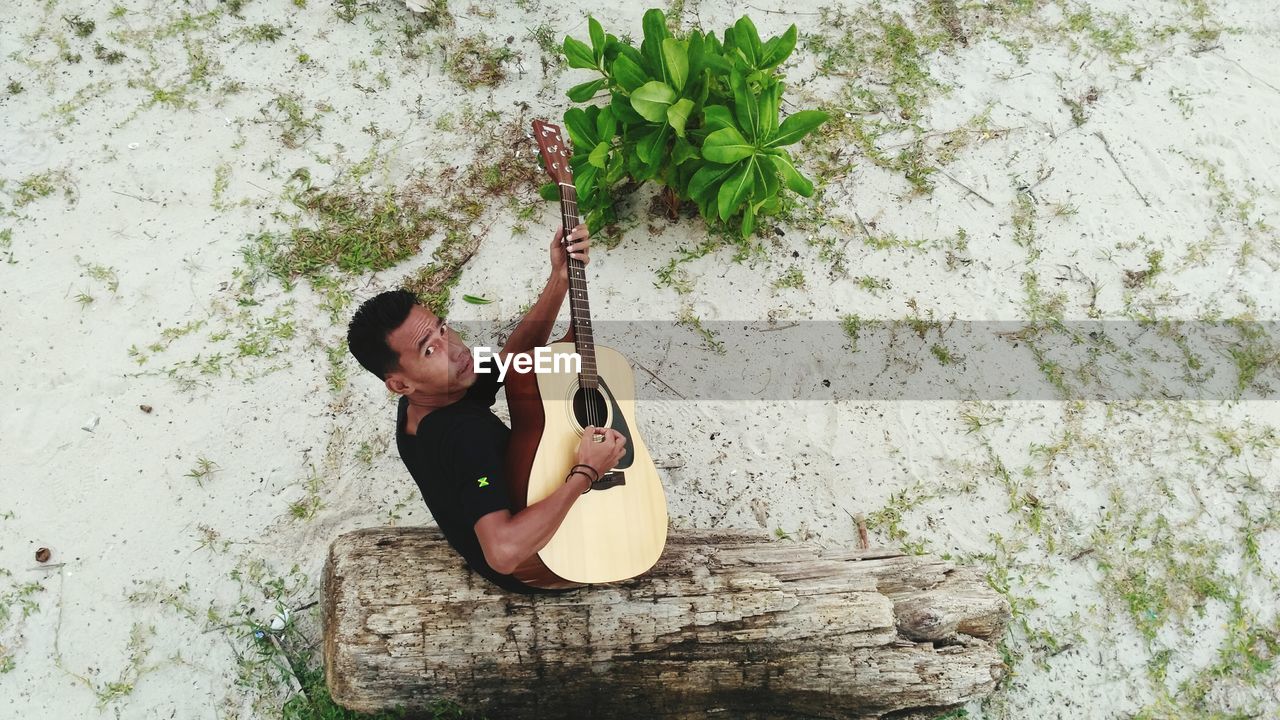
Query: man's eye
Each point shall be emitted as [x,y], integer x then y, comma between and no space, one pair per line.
[430,350]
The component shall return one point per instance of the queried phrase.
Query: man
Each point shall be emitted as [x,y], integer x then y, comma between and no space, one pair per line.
[449,439]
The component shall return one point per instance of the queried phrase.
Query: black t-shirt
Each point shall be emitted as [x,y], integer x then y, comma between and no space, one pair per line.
[456,458]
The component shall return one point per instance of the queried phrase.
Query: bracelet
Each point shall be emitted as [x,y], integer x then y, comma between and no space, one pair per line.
[595,473]
[588,477]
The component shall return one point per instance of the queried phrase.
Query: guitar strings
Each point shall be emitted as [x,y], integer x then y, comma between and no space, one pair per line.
[569,219]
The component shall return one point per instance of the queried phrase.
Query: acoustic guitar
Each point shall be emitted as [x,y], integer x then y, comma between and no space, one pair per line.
[617,530]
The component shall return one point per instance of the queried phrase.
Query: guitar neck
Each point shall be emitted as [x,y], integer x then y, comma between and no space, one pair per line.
[579,303]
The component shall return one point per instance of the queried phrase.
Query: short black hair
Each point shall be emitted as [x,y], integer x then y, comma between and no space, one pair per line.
[367,334]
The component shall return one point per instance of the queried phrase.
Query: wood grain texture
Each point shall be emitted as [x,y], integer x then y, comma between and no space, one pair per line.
[727,624]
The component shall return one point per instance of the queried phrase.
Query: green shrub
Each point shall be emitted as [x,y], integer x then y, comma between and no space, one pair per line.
[694,114]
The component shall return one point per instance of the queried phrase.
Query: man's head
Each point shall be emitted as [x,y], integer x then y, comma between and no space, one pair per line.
[409,348]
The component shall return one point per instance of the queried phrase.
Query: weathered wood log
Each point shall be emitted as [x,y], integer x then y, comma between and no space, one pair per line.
[726,622]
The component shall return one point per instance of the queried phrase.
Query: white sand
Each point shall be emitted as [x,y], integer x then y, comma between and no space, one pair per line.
[117,509]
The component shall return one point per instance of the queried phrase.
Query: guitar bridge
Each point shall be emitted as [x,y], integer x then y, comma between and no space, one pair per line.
[609,479]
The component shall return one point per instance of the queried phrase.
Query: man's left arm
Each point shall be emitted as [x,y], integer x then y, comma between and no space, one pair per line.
[535,328]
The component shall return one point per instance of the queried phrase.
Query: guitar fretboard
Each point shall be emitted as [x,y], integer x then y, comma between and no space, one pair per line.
[579,304]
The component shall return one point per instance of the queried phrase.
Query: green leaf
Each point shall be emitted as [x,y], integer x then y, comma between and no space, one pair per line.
[676,58]
[652,99]
[770,98]
[716,62]
[585,91]
[650,147]
[654,24]
[705,180]
[584,182]
[597,37]
[734,190]
[549,191]
[683,150]
[780,48]
[476,300]
[614,173]
[621,106]
[748,221]
[598,155]
[578,54]
[747,40]
[697,48]
[766,182]
[726,146]
[796,126]
[745,105]
[796,182]
[628,74]
[606,125]
[678,115]
[715,117]
[581,129]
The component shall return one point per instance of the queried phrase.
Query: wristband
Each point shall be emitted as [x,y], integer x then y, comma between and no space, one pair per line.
[588,477]
[595,474]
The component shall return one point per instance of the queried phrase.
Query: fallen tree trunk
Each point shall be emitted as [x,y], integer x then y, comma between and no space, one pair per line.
[726,621]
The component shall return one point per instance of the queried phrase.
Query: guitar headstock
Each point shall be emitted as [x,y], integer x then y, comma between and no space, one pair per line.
[555,155]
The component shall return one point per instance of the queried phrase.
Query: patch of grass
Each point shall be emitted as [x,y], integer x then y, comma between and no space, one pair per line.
[1135,278]
[889,517]
[110,57]
[475,61]
[285,111]
[689,319]
[42,185]
[792,278]
[1110,33]
[852,326]
[263,32]
[101,273]
[202,470]
[17,603]
[873,285]
[1253,354]
[942,354]
[6,245]
[337,375]
[14,87]
[80,26]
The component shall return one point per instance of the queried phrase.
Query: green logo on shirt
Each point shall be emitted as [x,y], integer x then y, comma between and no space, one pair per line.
[483,482]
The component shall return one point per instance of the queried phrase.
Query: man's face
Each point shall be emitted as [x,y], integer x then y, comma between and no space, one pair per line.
[433,359]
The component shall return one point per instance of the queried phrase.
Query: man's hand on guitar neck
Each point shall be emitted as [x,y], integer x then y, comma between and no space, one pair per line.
[508,540]
[535,328]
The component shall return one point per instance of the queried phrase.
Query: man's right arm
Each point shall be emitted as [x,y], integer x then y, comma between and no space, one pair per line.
[508,540]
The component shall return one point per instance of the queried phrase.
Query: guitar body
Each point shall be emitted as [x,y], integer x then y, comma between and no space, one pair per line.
[618,529]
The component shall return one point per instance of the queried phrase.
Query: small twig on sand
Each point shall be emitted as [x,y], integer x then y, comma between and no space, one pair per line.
[780,327]
[1246,71]
[863,226]
[1107,145]
[1043,177]
[135,197]
[653,375]
[863,541]
[782,12]
[966,187]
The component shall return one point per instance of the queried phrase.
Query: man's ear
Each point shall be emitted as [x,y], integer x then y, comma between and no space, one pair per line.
[397,385]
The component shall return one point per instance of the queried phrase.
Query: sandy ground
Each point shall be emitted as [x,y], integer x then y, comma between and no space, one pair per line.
[1136,540]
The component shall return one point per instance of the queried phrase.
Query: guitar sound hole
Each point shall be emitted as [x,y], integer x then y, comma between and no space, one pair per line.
[590,408]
